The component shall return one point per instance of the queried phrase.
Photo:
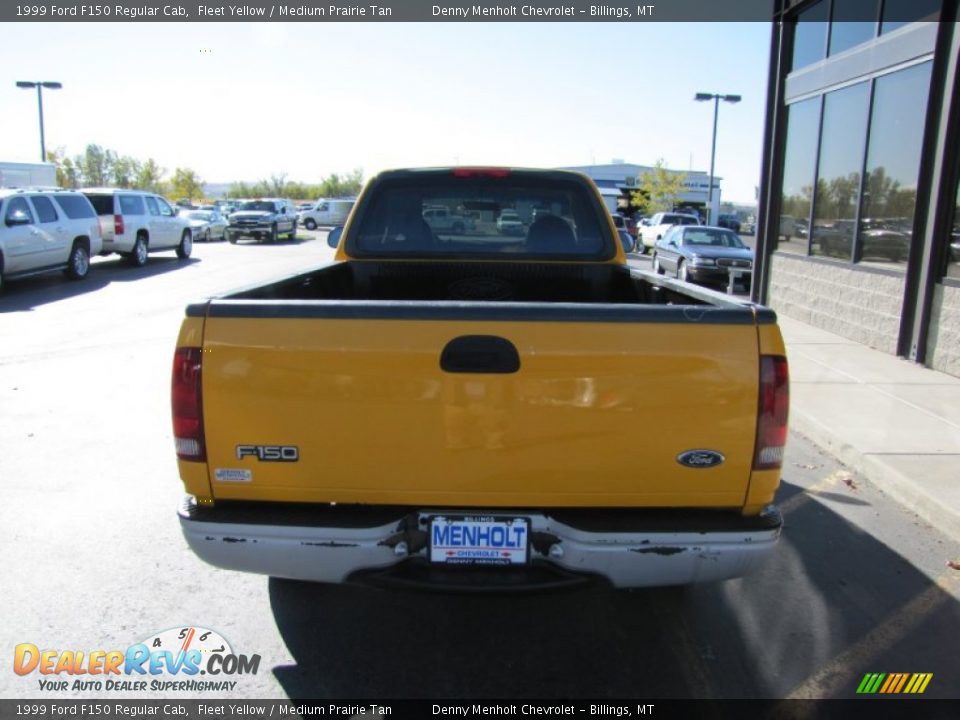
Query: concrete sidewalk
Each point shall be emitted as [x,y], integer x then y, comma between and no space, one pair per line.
[894,422]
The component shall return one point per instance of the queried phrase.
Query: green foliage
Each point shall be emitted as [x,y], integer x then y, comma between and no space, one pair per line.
[94,166]
[124,171]
[68,175]
[150,177]
[883,197]
[277,186]
[186,184]
[335,186]
[98,166]
[659,190]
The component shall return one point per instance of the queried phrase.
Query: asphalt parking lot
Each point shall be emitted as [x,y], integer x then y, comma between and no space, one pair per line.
[95,559]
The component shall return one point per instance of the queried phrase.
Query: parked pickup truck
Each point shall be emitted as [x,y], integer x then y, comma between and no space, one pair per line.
[654,229]
[461,412]
[263,219]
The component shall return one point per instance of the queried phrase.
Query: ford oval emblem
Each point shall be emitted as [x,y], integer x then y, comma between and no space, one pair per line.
[700,458]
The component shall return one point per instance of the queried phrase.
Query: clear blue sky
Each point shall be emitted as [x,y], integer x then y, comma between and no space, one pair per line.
[237,101]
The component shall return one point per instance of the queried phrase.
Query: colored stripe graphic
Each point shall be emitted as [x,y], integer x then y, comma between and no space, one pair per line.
[870,683]
[918,683]
[891,680]
[894,683]
[903,681]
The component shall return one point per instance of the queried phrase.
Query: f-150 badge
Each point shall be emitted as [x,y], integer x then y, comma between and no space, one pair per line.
[700,458]
[269,453]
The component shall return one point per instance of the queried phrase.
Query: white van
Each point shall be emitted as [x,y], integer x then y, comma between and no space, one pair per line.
[326,212]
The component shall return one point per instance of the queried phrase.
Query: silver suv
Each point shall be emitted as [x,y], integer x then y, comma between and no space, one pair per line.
[136,222]
[46,230]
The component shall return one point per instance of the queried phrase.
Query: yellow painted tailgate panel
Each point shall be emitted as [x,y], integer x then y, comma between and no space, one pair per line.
[596,415]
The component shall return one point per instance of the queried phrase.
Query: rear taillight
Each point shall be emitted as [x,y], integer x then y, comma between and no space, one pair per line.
[118,224]
[772,414]
[188,405]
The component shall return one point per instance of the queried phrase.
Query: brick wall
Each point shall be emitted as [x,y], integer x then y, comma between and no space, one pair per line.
[943,342]
[860,305]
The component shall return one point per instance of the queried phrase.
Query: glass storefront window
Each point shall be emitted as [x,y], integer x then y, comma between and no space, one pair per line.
[953,252]
[810,36]
[803,119]
[897,13]
[838,181]
[847,34]
[853,22]
[893,166]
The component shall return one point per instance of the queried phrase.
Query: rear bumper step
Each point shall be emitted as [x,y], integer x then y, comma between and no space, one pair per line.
[569,548]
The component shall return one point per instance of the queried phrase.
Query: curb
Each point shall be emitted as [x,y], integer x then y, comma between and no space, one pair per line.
[891,481]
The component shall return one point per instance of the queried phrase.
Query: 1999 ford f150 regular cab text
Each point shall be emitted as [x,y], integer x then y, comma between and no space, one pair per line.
[480,409]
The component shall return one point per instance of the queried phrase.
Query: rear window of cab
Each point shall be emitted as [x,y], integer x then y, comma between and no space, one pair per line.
[559,217]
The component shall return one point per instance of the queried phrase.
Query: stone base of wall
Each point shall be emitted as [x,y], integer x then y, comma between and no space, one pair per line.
[857,304]
[943,340]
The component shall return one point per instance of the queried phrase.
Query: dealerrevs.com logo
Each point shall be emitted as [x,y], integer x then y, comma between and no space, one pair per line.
[190,659]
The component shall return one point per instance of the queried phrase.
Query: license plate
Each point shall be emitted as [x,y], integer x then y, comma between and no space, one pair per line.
[479,540]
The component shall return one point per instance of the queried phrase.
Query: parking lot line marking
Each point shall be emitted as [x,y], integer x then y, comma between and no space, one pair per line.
[838,674]
[808,494]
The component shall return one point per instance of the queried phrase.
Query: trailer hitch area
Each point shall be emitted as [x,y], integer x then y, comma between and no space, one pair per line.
[409,539]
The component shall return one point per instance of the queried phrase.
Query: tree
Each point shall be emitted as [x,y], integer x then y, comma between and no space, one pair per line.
[239,190]
[186,184]
[150,176]
[277,184]
[68,176]
[94,165]
[659,189]
[335,186]
[125,171]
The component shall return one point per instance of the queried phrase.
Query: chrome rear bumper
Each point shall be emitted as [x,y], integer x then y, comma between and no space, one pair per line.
[341,545]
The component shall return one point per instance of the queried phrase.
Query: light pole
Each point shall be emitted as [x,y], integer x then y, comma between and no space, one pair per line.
[39,86]
[700,97]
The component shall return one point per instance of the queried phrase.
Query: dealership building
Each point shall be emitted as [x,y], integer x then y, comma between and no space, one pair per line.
[617,180]
[859,229]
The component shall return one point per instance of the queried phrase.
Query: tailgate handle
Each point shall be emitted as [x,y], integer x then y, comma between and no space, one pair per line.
[480,354]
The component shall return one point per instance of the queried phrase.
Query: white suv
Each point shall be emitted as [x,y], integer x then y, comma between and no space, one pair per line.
[135,222]
[46,230]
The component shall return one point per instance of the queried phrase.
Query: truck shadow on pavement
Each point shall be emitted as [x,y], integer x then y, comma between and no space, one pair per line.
[29,293]
[298,240]
[833,604]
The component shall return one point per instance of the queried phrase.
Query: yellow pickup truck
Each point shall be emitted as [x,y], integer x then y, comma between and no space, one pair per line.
[480,409]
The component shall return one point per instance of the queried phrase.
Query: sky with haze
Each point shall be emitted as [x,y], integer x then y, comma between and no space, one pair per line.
[244,101]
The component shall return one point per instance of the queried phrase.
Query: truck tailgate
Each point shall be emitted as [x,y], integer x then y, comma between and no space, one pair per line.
[596,414]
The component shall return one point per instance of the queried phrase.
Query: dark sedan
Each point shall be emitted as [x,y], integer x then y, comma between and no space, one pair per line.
[702,254]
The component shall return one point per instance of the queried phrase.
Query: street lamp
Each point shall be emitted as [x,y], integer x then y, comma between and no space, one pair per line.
[39,86]
[701,97]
